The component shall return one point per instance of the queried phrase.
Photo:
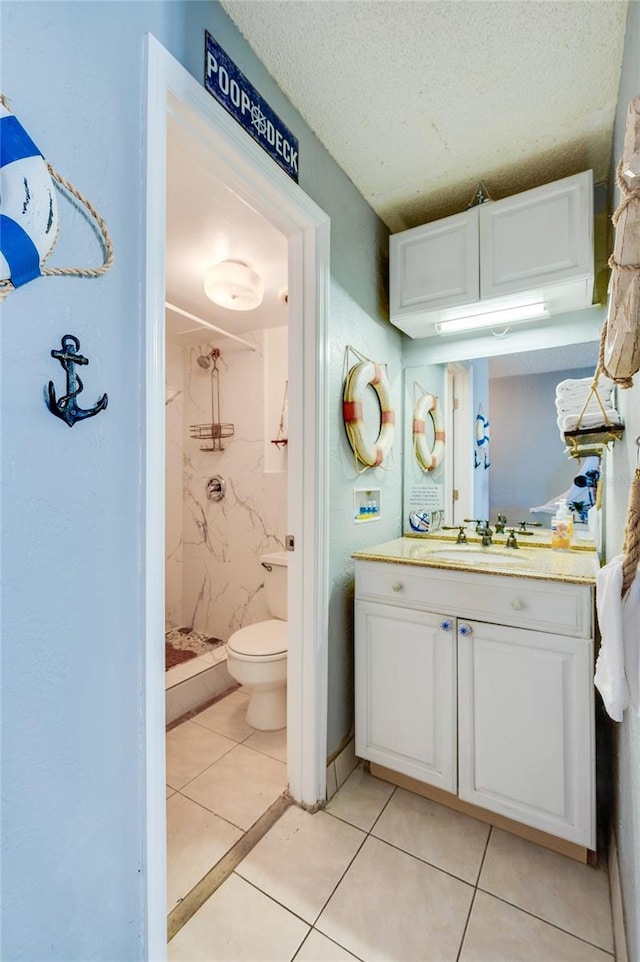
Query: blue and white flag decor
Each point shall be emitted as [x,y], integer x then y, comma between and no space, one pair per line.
[230,87]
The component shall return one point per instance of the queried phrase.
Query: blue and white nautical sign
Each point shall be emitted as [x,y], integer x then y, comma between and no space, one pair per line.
[230,87]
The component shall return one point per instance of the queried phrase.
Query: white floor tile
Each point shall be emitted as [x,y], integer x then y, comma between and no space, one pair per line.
[228,717]
[273,744]
[318,948]
[301,859]
[391,906]
[555,888]
[238,924]
[439,835]
[190,750]
[361,799]
[239,787]
[499,932]
[196,840]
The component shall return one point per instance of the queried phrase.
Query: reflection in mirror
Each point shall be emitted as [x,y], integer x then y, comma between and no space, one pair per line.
[529,464]
[423,489]
[518,462]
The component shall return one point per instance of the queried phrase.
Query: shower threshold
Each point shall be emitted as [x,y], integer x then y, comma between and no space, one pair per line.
[192,683]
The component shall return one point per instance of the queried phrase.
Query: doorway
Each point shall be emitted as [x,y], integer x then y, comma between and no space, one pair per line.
[247,171]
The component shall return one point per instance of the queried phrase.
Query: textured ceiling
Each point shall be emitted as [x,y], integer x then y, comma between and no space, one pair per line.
[418,101]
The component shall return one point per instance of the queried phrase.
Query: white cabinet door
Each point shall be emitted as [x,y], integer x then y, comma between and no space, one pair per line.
[526,727]
[405,684]
[434,266]
[537,238]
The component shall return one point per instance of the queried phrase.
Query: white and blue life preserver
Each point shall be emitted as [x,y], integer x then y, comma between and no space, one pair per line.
[28,205]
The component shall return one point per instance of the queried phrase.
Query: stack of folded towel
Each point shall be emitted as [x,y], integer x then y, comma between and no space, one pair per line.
[571,396]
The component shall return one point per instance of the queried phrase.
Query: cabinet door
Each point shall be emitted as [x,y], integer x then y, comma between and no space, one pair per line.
[405,679]
[526,728]
[537,238]
[434,266]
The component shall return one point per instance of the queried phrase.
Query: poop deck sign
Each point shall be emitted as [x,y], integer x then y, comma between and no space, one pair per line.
[230,87]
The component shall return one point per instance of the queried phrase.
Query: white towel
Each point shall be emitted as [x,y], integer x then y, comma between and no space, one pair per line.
[617,675]
[569,422]
[577,386]
[568,407]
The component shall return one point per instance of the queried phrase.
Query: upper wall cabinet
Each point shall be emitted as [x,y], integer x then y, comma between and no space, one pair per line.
[537,246]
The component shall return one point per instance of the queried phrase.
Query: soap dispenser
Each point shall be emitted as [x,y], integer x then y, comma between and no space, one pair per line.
[561,527]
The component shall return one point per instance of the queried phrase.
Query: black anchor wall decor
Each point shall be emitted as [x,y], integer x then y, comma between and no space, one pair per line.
[66,408]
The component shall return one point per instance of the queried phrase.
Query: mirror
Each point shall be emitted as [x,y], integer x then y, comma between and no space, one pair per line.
[529,465]
[504,450]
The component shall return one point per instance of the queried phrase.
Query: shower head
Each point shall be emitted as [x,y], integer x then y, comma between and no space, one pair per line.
[204,361]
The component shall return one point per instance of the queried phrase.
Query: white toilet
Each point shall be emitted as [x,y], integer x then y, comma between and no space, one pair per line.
[257,654]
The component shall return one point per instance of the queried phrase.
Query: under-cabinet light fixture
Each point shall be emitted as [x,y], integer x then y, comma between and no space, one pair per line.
[502,318]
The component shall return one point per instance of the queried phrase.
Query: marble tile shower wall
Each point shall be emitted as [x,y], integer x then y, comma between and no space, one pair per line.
[214,566]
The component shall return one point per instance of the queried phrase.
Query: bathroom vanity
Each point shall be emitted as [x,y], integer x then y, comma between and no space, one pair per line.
[474,681]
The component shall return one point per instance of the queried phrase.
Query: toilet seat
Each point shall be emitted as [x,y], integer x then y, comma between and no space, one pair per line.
[263,641]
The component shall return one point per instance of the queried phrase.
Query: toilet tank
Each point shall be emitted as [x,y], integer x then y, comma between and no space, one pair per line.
[275,583]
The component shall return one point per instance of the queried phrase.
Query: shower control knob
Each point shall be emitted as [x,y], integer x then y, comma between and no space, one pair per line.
[216,488]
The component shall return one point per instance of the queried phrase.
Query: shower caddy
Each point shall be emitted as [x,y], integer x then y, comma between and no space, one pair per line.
[214,431]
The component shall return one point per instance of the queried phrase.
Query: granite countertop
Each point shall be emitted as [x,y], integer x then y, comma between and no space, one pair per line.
[536,561]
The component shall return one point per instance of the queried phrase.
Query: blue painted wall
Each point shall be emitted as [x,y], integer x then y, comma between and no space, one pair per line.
[72,650]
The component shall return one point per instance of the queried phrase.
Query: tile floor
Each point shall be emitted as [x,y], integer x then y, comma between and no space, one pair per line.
[379,874]
[222,776]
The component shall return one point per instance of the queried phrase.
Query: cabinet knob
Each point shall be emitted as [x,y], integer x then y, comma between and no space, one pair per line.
[446,625]
[464,629]
[517,604]
[396,586]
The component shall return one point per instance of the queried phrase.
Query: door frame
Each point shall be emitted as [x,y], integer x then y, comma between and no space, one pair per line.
[246,169]
[459,450]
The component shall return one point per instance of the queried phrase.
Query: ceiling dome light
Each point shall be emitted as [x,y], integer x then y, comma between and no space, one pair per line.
[233,285]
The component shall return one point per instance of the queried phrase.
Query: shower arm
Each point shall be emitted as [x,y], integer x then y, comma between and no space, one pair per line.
[212,327]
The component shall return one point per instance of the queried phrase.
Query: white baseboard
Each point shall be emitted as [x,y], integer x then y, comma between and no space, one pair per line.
[619,938]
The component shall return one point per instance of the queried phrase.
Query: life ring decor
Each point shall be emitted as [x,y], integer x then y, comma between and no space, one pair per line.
[29,221]
[369,453]
[428,458]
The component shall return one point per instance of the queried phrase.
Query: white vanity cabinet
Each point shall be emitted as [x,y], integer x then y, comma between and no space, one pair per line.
[406,714]
[537,244]
[480,685]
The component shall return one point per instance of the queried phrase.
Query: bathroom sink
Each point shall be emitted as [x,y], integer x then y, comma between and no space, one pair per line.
[469,554]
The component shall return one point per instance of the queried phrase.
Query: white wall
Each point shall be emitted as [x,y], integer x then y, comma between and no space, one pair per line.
[174,485]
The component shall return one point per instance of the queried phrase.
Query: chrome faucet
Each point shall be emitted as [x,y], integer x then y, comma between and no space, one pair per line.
[501,523]
[511,541]
[485,533]
[482,529]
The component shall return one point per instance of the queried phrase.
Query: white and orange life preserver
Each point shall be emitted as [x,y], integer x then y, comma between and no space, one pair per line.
[370,453]
[428,458]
